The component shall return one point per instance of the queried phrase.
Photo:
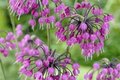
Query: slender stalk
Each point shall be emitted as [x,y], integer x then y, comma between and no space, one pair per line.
[13,27]
[3,69]
[12,22]
[86,0]
[68,47]
[67,50]
[48,35]
[76,1]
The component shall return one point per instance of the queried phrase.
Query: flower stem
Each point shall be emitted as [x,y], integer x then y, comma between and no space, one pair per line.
[13,27]
[68,47]
[3,69]
[67,50]
[86,0]
[76,1]
[48,35]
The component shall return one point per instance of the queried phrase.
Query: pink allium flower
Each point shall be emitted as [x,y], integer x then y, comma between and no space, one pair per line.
[38,9]
[106,70]
[83,26]
[37,59]
[89,30]
[45,2]
[7,44]
[32,23]
[19,30]
[77,6]
[96,66]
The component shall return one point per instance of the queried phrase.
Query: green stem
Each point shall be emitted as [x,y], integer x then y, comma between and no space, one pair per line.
[3,69]
[48,35]
[13,27]
[76,1]
[67,50]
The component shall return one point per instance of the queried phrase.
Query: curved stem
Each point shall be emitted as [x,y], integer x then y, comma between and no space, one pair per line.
[67,49]
[13,27]
[48,35]
[87,12]
[76,1]
[72,16]
[3,69]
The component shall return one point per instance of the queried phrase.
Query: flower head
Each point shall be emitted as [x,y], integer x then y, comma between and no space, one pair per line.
[7,44]
[21,7]
[44,64]
[38,9]
[107,70]
[89,30]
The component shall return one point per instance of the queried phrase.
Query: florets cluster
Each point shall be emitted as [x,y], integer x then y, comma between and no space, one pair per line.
[88,29]
[107,71]
[7,44]
[85,24]
[44,64]
[38,9]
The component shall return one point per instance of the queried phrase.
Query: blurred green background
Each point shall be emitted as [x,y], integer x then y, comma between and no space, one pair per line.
[112,44]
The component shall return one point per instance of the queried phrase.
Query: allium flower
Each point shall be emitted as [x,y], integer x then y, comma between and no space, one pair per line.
[7,44]
[60,8]
[45,17]
[106,70]
[19,30]
[89,30]
[44,64]
[21,7]
[39,10]
[32,23]
[45,2]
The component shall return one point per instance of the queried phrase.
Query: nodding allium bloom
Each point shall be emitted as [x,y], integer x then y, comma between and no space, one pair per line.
[7,44]
[21,7]
[39,10]
[62,10]
[88,29]
[105,71]
[19,32]
[46,18]
[43,64]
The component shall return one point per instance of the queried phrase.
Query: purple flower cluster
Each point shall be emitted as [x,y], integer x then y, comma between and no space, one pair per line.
[7,44]
[63,9]
[85,24]
[19,30]
[39,10]
[21,7]
[89,30]
[46,18]
[44,64]
[40,62]
[106,71]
